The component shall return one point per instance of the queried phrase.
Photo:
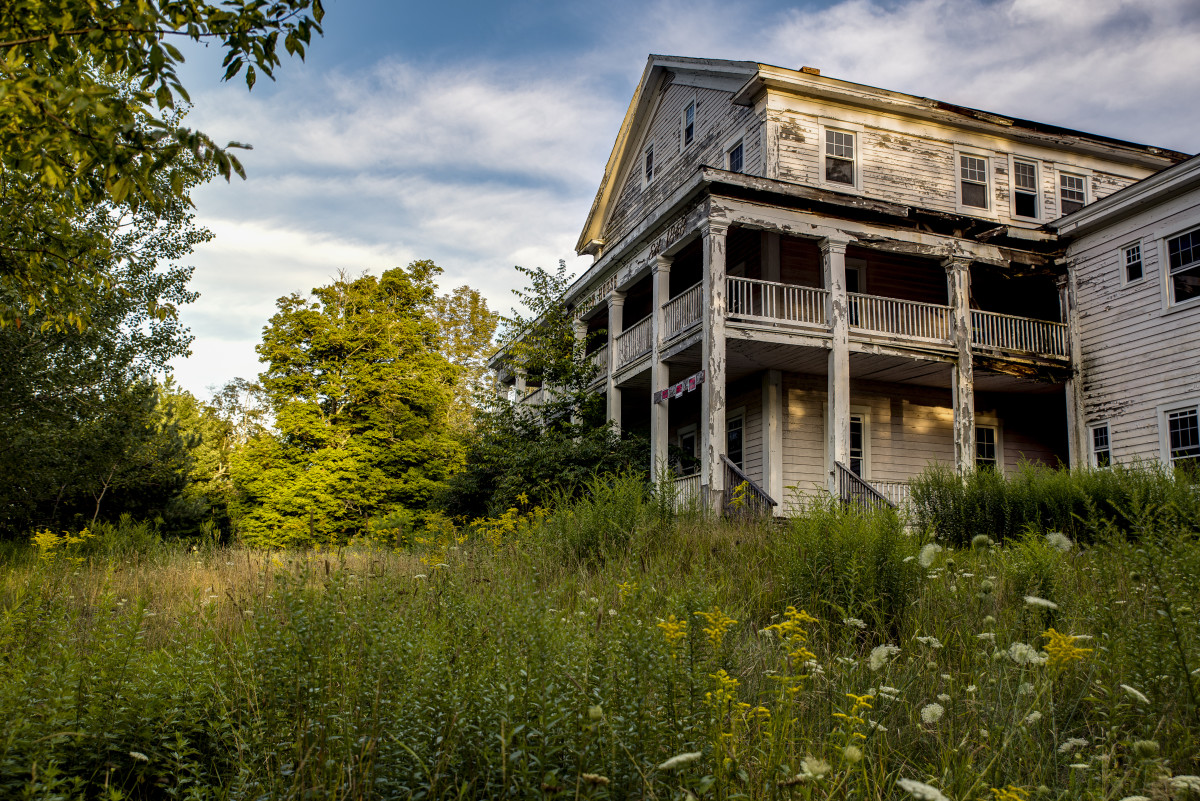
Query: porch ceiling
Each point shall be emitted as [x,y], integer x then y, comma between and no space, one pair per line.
[899,370]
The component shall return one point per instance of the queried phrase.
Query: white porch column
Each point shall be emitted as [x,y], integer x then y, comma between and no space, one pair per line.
[712,398]
[519,384]
[772,434]
[580,327]
[958,278]
[616,324]
[660,374]
[1078,439]
[837,424]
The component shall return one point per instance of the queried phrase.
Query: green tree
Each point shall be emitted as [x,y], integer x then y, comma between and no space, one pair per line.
[83,88]
[467,329]
[360,399]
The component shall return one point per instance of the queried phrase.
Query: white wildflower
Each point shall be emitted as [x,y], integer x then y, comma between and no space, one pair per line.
[1079,765]
[929,553]
[876,725]
[908,559]
[1025,688]
[1136,798]
[612,612]
[945,699]
[1024,654]
[987,635]
[1134,694]
[1189,783]
[139,756]
[971,688]
[932,713]
[886,690]
[921,791]
[1060,541]
[932,642]
[1032,718]
[815,767]
[852,754]
[1072,745]
[880,655]
[854,622]
[420,576]
[1033,600]
[679,760]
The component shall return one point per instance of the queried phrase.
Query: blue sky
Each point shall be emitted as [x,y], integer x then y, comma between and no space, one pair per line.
[475,134]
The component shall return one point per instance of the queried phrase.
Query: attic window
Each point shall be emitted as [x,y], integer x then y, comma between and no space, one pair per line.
[1072,194]
[736,156]
[1025,189]
[648,171]
[688,126]
[839,157]
[974,181]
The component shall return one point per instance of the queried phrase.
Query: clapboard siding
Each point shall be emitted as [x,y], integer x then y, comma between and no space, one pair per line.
[1138,354]
[719,124]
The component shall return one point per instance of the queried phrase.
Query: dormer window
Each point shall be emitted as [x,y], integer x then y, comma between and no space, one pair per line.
[688,125]
[839,157]
[1025,189]
[1072,193]
[648,169]
[974,181]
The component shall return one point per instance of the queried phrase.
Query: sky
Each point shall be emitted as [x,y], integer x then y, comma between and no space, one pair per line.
[475,133]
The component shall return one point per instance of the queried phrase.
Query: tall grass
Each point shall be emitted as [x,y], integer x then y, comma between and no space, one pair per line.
[566,657]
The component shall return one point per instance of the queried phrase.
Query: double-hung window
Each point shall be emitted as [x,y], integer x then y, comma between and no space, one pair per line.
[973,181]
[735,439]
[735,157]
[985,448]
[1072,193]
[687,125]
[858,447]
[1183,266]
[1131,263]
[839,157]
[1025,189]
[1101,446]
[1183,437]
[688,463]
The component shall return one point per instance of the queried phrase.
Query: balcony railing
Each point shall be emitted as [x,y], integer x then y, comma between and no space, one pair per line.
[686,492]
[773,302]
[682,311]
[599,359]
[1022,334]
[535,397]
[901,318]
[898,492]
[634,341]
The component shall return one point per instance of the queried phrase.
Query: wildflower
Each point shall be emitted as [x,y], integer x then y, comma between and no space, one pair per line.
[1134,694]
[928,554]
[674,630]
[1060,541]
[595,712]
[1025,688]
[989,621]
[854,622]
[612,612]
[943,698]
[908,559]
[725,691]
[921,791]
[718,624]
[680,760]
[1033,600]
[876,726]
[1062,649]
[1032,718]
[1010,793]
[880,655]
[932,642]
[1145,749]
[986,586]
[1072,745]
[594,779]
[1189,783]
[1024,654]
[932,713]
[420,576]
[981,542]
[886,690]
[815,767]
[852,754]
[139,756]
[1079,766]
[989,636]
[1136,798]
[626,588]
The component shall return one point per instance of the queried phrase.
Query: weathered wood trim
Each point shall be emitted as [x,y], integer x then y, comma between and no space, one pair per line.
[772,435]
[712,398]
[660,373]
[616,315]
[958,276]
[833,262]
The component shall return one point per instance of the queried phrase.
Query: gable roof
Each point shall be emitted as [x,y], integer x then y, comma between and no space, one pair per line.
[636,119]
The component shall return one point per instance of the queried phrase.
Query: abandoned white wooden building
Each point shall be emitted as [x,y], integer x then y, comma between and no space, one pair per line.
[859,281]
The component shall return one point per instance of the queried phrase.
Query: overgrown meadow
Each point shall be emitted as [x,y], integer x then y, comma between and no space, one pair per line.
[610,648]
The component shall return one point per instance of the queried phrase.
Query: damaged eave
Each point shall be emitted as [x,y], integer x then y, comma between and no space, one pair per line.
[756,183]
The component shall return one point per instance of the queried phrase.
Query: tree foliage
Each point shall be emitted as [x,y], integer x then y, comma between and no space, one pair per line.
[467,329]
[360,397]
[83,90]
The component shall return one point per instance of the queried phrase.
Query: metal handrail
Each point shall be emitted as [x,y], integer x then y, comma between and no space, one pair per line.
[852,489]
[743,498]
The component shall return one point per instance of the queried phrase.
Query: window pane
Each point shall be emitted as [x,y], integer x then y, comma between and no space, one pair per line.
[974,169]
[839,144]
[735,158]
[650,163]
[1025,204]
[1100,448]
[985,446]
[1185,285]
[1133,262]
[1183,429]
[733,441]
[856,446]
[1025,175]
[1071,193]
[1183,250]
[839,171]
[974,195]
[689,124]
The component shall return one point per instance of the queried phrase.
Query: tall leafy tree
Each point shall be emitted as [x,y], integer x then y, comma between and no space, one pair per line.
[360,396]
[84,85]
[468,330]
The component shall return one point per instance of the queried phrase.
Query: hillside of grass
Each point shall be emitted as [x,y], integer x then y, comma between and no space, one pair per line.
[609,648]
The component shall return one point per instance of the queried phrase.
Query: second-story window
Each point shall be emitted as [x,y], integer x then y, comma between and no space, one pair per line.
[1131,256]
[974,182]
[648,171]
[839,157]
[688,125]
[1072,194]
[1183,262]
[1025,189]
[735,158]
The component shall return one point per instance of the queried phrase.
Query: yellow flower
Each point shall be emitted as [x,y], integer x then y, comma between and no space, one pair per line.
[725,690]
[1062,649]
[718,623]
[1010,793]
[627,588]
[674,630]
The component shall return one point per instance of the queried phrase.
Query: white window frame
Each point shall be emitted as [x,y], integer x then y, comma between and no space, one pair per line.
[855,411]
[989,159]
[1079,172]
[736,414]
[1164,255]
[1039,194]
[1164,435]
[691,103]
[728,152]
[856,131]
[1093,461]
[993,422]
[1123,264]
[648,148]
[682,432]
